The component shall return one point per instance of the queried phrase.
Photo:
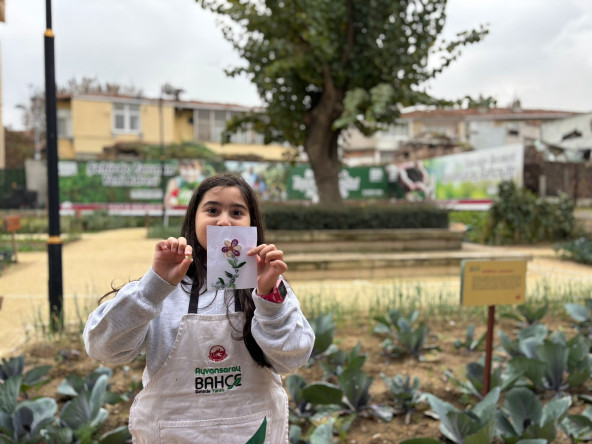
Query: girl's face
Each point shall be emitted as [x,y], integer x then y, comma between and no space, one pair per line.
[221,206]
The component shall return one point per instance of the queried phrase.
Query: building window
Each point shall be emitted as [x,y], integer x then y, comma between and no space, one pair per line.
[203,126]
[126,118]
[211,124]
[64,122]
[219,125]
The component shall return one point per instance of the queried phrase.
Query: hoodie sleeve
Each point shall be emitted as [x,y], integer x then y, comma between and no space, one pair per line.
[115,332]
[282,332]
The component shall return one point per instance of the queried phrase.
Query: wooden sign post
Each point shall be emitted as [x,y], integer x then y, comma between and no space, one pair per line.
[11,224]
[491,283]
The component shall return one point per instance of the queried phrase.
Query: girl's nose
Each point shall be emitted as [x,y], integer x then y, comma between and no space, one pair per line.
[223,220]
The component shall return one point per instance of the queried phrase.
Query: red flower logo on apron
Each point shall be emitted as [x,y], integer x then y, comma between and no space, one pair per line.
[218,353]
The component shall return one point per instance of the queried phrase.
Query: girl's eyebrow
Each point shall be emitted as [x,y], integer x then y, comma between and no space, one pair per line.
[213,202]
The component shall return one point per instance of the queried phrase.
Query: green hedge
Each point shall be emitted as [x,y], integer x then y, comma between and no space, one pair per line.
[296,217]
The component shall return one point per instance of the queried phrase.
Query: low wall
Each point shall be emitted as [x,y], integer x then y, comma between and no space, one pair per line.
[378,241]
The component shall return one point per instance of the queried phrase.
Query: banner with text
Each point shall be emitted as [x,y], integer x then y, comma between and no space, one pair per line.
[467,180]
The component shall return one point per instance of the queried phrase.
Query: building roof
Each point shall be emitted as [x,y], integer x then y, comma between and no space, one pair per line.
[190,104]
[487,114]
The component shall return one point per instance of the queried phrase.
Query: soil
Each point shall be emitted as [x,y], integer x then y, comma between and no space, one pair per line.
[121,255]
[67,356]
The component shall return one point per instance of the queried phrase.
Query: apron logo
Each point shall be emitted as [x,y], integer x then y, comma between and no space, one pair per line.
[217,380]
[217,353]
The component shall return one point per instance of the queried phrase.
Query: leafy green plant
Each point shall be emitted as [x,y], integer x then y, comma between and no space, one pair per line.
[336,360]
[578,250]
[22,422]
[474,222]
[528,314]
[472,426]
[321,434]
[14,366]
[526,339]
[582,314]
[522,416]
[324,329]
[474,383]
[344,401]
[518,216]
[578,427]
[81,417]
[470,344]
[555,364]
[405,395]
[73,385]
[402,337]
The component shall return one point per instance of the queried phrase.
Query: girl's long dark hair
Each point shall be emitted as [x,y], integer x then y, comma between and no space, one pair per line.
[197,271]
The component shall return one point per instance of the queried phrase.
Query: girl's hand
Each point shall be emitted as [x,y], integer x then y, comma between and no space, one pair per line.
[270,264]
[172,258]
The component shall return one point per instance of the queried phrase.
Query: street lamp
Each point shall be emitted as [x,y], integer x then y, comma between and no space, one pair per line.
[54,241]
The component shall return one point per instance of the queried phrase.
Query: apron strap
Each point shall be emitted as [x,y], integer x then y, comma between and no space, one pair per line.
[193,298]
[237,303]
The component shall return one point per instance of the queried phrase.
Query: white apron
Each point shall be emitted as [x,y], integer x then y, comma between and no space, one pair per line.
[210,390]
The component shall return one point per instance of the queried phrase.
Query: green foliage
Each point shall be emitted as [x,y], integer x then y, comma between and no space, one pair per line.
[528,313]
[321,67]
[578,250]
[582,315]
[522,416]
[23,422]
[297,217]
[555,363]
[335,361]
[405,395]
[474,221]
[14,366]
[518,216]
[578,427]
[324,329]
[470,344]
[73,385]
[183,150]
[473,426]
[403,337]
[474,384]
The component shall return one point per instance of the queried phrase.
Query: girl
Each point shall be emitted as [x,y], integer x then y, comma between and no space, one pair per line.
[213,359]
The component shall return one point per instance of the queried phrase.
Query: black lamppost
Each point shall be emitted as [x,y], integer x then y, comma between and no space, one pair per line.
[54,241]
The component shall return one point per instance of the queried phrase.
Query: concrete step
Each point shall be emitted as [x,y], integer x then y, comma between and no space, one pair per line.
[327,265]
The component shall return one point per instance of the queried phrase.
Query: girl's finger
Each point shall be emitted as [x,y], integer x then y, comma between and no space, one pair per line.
[273,256]
[188,253]
[256,250]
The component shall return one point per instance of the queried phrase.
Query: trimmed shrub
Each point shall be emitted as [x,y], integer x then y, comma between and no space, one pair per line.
[518,216]
[296,217]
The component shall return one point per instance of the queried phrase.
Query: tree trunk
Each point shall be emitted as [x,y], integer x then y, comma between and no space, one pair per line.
[321,148]
[321,145]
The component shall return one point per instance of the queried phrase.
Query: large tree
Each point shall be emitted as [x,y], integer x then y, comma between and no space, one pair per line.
[321,66]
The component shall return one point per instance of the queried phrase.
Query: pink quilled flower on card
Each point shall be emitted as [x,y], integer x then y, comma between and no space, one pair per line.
[231,248]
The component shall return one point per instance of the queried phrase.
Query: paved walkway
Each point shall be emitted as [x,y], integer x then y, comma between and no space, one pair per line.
[99,259]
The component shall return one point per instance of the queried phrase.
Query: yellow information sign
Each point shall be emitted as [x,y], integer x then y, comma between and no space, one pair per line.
[492,282]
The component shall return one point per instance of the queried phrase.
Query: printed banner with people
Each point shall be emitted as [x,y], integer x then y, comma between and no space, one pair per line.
[144,187]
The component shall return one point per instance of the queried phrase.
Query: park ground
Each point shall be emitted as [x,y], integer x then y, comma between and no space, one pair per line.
[97,260]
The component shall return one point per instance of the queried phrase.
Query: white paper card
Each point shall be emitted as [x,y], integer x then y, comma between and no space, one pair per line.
[228,263]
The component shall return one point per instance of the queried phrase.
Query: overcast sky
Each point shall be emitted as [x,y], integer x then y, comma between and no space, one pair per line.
[538,50]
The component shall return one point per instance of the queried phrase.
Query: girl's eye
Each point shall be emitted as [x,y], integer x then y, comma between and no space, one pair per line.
[211,210]
[237,213]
